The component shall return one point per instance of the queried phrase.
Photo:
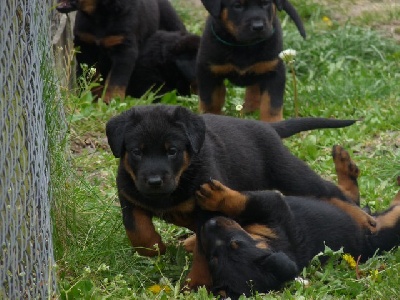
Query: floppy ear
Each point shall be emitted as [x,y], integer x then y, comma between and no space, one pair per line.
[193,125]
[213,7]
[281,265]
[115,130]
[278,4]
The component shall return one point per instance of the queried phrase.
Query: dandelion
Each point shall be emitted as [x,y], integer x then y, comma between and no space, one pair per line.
[288,56]
[327,21]
[350,260]
[239,107]
[157,288]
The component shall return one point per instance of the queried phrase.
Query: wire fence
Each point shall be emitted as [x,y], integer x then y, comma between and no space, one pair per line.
[27,267]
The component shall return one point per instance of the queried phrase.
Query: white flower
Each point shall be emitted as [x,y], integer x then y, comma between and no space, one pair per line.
[288,55]
[103,267]
[239,107]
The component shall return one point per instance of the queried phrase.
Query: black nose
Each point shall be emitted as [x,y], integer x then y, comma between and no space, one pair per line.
[154,180]
[257,25]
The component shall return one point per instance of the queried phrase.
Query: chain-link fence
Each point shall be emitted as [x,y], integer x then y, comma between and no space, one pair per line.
[26,253]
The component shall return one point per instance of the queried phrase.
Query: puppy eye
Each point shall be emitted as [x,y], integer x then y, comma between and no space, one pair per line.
[172,151]
[137,152]
[265,3]
[237,5]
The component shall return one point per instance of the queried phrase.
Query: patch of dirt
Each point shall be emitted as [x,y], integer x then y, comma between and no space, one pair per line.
[382,13]
[90,142]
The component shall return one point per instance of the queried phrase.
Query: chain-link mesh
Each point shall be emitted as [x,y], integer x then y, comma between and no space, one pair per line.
[26,253]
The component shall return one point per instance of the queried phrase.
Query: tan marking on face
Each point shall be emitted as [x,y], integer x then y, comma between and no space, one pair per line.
[259,230]
[261,67]
[389,219]
[144,237]
[229,25]
[267,112]
[127,167]
[185,165]
[217,101]
[112,40]
[87,6]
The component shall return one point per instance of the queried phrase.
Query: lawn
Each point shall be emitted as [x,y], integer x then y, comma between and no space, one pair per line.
[344,69]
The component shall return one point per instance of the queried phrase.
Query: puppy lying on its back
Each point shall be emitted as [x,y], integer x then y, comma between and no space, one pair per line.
[269,238]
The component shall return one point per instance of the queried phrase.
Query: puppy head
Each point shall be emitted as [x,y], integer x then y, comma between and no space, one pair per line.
[156,144]
[66,6]
[238,264]
[245,20]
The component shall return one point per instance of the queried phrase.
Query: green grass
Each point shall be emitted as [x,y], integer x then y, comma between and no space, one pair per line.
[343,70]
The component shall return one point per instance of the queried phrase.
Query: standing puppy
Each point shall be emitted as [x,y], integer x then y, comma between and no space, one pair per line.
[110,34]
[241,42]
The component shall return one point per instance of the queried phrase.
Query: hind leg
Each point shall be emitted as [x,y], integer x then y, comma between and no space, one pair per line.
[347,173]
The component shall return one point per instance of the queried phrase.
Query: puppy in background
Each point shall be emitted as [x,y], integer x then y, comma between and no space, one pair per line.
[241,42]
[110,33]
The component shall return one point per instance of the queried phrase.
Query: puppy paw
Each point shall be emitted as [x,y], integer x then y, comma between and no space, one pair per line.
[347,173]
[345,167]
[211,195]
[214,196]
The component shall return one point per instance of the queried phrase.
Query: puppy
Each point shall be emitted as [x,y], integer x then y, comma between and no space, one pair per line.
[109,35]
[241,42]
[166,62]
[269,238]
[167,152]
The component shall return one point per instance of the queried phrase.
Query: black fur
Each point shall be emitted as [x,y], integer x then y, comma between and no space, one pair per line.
[244,264]
[167,152]
[109,35]
[241,42]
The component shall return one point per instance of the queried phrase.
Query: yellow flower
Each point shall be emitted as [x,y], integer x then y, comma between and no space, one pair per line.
[327,21]
[156,289]
[350,260]
[374,274]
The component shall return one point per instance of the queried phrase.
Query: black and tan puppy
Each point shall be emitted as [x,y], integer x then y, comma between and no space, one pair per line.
[167,152]
[110,34]
[269,238]
[166,62]
[241,41]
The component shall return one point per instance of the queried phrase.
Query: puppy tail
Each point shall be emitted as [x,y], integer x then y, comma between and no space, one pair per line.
[291,11]
[290,127]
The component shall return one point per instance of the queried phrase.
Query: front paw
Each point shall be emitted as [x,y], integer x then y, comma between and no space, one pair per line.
[211,195]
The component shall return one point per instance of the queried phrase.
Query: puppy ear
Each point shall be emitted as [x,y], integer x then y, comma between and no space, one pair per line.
[115,131]
[281,265]
[213,7]
[193,125]
[279,4]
